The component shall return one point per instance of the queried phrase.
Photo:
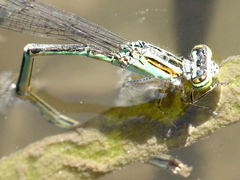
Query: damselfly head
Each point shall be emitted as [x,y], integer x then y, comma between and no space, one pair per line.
[203,67]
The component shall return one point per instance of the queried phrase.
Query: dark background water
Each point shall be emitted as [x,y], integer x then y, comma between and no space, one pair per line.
[175,25]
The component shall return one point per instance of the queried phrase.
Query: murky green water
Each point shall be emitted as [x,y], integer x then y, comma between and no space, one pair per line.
[88,87]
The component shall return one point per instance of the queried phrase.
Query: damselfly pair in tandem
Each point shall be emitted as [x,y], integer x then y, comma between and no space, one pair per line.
[38,18]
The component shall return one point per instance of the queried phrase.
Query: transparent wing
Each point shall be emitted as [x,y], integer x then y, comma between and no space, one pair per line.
[136,89]
[38,18]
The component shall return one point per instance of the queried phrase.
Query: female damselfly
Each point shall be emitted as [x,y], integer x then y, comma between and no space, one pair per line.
[38,18]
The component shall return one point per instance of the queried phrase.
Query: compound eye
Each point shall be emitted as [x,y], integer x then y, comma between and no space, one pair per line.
[199,79]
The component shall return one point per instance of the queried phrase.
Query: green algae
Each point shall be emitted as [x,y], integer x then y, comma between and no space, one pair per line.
[108,143]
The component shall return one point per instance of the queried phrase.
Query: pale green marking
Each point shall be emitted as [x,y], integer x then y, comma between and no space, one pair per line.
[100,56]
[63,53]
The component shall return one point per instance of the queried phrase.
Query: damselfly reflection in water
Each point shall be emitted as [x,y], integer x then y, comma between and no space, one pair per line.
[177,77]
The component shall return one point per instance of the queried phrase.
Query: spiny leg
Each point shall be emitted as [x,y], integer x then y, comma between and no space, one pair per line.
[23,88]
[194,100]
[137,82]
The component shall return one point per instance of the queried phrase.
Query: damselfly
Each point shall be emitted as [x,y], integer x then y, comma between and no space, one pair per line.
[38,18]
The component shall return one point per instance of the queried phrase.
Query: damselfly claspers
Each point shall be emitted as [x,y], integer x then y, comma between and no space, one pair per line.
[38,18]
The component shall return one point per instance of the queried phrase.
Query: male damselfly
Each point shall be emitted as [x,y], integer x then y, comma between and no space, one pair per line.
[38,18]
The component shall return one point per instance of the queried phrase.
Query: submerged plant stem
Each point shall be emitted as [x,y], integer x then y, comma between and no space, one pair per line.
[87,153]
